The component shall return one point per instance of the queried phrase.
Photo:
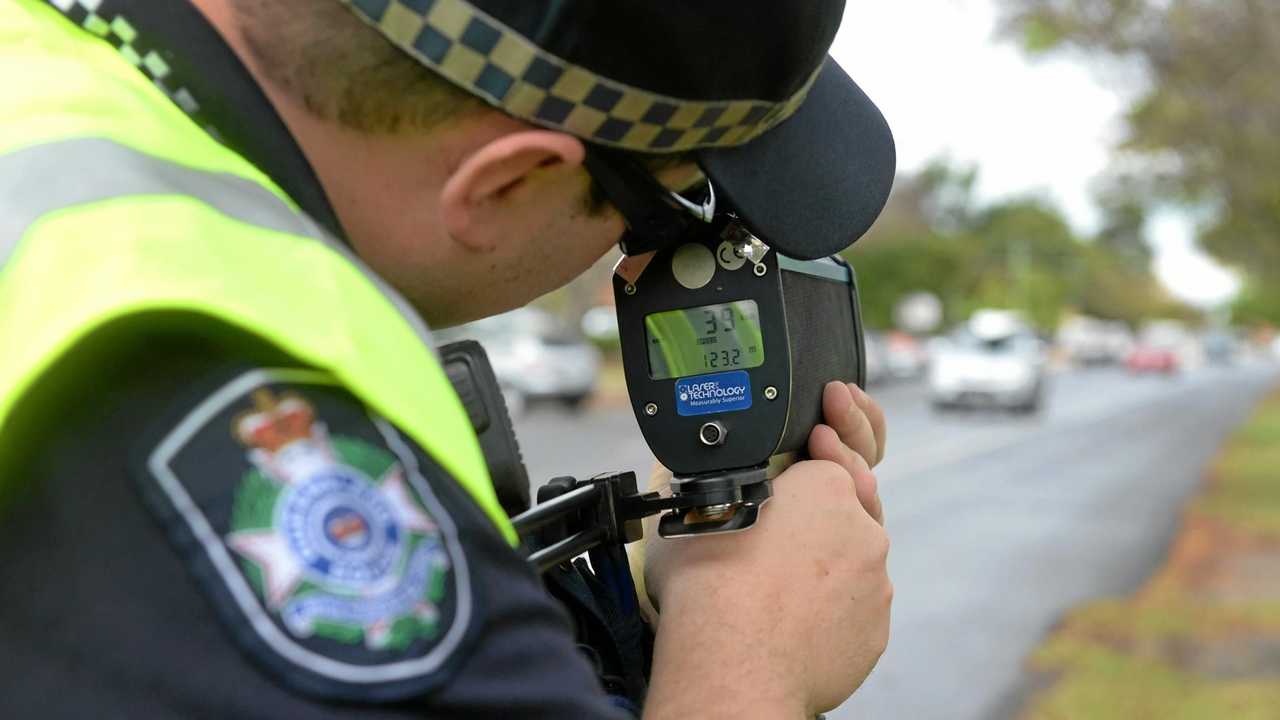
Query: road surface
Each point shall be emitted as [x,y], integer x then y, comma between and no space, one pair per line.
[999,523]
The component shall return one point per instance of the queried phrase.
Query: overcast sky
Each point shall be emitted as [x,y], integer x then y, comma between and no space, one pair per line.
[1044,127]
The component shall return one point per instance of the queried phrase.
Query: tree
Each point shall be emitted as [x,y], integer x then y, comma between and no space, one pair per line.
[1209,122]
[937,199]
[918,243]
[1124,221]
[1018,254]
[1258,305]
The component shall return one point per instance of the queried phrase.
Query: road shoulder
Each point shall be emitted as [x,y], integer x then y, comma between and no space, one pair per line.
[1202,638]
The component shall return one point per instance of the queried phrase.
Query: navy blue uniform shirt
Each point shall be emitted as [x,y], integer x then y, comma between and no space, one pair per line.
[114,604]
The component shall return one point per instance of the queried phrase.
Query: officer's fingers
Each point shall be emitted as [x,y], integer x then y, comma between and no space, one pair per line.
[825,444]
[846,417]
[875,414]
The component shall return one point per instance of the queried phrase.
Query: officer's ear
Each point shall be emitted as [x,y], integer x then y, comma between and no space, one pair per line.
[500,175]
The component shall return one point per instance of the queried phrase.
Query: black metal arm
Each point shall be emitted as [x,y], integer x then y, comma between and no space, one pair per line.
[573,516]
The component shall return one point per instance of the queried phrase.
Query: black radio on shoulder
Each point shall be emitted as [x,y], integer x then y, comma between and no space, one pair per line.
[727,346]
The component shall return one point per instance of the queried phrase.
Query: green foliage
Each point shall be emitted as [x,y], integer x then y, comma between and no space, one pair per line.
[889,268]
[1019,254]
[1100,683]
[1209,119]
[1258,304]
[1039,36]
[1246,494]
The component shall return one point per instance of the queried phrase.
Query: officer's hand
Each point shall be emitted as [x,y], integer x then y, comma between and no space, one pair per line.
[854,438]
[783,620]
[855,430]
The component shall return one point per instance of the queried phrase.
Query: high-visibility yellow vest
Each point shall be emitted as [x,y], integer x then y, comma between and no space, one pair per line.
[114,204]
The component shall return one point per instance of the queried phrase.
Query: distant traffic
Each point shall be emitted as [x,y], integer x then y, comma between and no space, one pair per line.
[995,360]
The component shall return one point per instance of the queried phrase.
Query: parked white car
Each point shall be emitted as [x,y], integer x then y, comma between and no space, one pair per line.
[995,360]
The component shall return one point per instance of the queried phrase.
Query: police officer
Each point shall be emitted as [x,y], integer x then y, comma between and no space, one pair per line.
[234,479]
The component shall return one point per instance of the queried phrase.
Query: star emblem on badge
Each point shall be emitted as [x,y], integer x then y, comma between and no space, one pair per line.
[332,546]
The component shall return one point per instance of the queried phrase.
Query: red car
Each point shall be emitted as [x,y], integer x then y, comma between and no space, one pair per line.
[1147,358]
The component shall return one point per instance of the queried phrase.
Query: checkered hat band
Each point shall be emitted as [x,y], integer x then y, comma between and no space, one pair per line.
[117,30]
[490,60]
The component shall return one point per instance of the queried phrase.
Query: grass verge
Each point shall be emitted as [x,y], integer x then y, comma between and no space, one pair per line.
[1201,640]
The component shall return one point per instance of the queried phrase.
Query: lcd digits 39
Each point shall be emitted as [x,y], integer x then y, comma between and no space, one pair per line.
[705,339]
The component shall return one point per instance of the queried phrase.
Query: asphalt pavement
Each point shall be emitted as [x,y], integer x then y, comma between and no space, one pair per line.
[999,523]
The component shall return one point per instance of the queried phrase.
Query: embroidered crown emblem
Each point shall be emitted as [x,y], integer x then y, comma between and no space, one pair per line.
[274,423]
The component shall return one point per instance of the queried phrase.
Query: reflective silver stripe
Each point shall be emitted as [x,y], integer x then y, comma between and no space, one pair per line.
[38,180]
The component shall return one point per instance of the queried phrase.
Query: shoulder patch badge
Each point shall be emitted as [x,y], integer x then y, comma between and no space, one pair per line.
[311,525]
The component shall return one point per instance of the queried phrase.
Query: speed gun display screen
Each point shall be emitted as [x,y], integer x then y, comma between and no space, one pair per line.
[704,339]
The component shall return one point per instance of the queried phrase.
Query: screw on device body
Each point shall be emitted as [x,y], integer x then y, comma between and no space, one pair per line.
[651,409]
[771,393]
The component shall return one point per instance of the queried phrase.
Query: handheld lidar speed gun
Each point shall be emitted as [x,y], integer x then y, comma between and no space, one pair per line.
[726,347]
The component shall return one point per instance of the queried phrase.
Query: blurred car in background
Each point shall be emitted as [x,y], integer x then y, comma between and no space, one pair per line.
[994,360]
[1152,359]
[894,356]
[905,356]
[1164,346]
[535,356]
[600,324]
[1221,346]
[1089,341]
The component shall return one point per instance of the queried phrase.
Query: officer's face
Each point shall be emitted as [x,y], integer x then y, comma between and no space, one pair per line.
[547,242]
[546,246]
[499,237]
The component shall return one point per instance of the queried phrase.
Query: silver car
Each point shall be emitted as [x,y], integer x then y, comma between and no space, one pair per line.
[535,356]
[993,361]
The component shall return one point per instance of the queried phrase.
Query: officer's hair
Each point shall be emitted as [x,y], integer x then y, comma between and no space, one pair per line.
[343,70]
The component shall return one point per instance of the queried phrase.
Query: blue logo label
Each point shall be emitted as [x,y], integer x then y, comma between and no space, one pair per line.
[708,394]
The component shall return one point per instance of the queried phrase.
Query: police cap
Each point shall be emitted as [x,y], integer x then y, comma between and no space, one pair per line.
[745,86]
